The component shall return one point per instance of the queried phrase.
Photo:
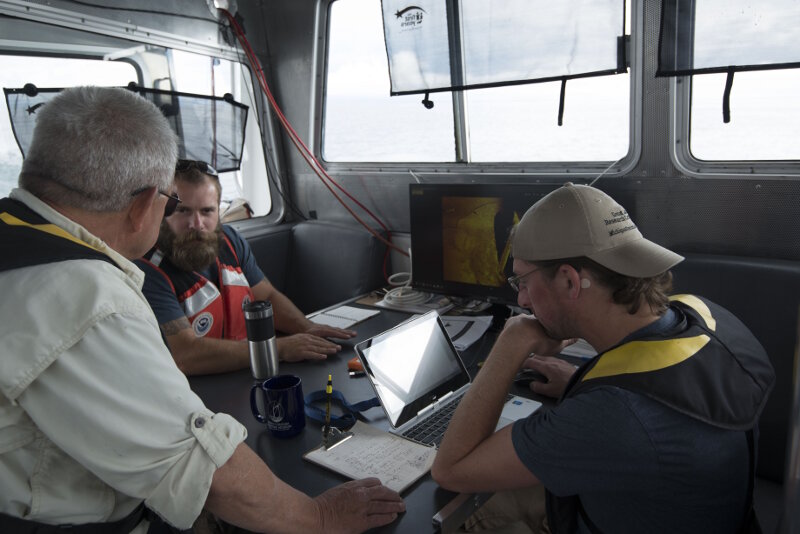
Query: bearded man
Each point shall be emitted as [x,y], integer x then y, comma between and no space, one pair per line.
[199,274]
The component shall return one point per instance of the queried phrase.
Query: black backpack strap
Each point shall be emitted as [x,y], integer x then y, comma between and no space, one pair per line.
[586,521]
[17,525]
[563,513]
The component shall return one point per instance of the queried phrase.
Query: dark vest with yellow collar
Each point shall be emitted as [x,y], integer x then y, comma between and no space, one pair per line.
[709,367]
[27,238]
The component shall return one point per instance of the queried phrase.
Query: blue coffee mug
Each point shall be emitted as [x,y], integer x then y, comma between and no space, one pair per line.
[283,402]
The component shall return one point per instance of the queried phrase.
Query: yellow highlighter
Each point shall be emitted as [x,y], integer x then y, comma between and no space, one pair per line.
[328,394]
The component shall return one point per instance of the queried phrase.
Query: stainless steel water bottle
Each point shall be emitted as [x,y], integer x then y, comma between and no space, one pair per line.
[261,338]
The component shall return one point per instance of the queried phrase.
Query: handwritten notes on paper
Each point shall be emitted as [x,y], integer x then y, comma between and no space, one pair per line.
[371,452]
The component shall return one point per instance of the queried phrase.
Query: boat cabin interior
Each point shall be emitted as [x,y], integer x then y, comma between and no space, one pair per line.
[348,134]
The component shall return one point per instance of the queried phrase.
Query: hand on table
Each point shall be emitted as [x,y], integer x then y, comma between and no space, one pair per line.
[357,506]
[557,371]
[299,347]
[322,330]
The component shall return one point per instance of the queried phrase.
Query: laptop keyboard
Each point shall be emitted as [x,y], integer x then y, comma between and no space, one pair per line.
[431,430]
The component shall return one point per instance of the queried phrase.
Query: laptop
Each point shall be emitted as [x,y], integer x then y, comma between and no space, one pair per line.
[419,379]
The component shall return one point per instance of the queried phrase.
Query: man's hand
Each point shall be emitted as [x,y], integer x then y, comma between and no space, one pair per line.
[322,330]
[557,371]
[525,333]
[299,347]
[357,506]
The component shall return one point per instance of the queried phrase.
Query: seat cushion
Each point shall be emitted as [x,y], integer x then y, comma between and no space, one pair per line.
[331,262]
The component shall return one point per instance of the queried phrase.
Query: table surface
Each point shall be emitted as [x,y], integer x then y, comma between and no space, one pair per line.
[230,393]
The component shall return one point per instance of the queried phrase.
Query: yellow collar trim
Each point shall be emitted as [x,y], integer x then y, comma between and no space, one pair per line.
[699,306]
[46,228]
[644,356]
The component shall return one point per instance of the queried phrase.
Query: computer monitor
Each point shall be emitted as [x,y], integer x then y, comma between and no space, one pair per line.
[460,237]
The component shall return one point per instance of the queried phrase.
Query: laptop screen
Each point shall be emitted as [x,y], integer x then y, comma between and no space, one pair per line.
[411,366]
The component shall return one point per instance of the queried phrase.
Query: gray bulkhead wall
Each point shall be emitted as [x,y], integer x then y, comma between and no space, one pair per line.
[736,215]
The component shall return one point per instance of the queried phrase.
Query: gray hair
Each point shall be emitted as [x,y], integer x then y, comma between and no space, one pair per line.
[93,147]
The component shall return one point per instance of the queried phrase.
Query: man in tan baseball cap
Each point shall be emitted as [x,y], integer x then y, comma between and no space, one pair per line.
[655,433]
[578,220]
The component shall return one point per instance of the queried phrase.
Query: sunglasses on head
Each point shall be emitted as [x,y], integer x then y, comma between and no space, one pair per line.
[172,200]
[184,165]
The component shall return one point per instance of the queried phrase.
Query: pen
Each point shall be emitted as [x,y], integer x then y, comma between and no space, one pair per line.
[328,393]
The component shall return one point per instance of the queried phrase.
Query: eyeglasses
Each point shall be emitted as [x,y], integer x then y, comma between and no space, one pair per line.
[184,165]
[172,203]
[172,200]
[515,280]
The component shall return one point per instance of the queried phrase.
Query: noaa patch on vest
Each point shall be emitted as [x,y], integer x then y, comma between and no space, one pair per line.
[202,324]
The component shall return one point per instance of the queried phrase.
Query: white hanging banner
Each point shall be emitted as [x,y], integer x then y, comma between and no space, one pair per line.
[499,42]
[417,44]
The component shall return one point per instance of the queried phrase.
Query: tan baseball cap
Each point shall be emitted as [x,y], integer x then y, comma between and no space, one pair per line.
[578,220]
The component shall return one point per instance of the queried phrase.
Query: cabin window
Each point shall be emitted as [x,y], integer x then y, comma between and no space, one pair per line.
[737,77]
[362,123]
[191,73]
[205,75]
[764,117]
[16,71]
[519,123]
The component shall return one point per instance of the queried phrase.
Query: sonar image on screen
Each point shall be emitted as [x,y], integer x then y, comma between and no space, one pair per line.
[476,244]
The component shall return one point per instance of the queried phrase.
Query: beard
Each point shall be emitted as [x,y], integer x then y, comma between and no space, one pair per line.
[191,251]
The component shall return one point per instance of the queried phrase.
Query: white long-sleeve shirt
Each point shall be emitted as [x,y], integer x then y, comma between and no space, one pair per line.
[95,417]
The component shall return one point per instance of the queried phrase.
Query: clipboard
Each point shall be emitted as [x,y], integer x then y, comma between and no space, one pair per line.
[372,452]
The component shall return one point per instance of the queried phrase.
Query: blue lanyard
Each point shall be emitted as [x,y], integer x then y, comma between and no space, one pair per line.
[350,411]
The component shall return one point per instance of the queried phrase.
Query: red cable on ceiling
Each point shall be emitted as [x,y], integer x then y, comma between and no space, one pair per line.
[304,151]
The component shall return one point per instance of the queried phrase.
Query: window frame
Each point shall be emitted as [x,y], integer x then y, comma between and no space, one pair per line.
[680,147]
[461,167]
